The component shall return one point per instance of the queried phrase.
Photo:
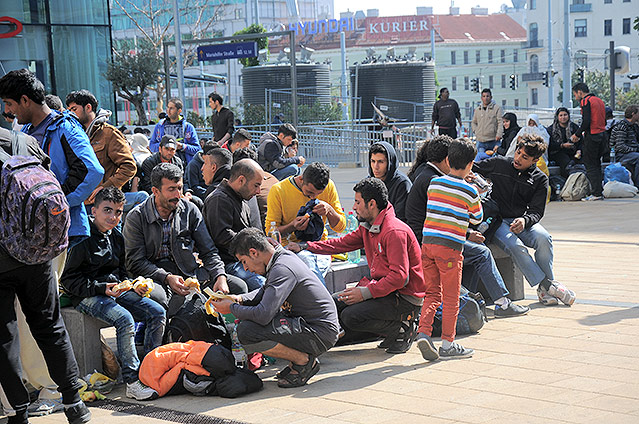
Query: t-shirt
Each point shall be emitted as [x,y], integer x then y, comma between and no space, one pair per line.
[39,131]
[445,112]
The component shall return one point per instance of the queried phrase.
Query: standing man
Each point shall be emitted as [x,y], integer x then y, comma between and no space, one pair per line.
[222,119]
[383,164]
[184,132]
[486,123]
[593,128]
[624,140]
[445,112]
[270,153]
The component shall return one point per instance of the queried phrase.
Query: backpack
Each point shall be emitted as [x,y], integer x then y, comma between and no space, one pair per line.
[471,316]
[34,213]
[191,322]
[576,188]
[617,172]
[556,183]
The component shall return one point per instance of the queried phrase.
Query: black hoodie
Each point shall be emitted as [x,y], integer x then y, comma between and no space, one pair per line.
[396,182]
[509,134]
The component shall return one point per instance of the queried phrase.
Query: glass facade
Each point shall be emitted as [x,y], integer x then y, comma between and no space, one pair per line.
[66,43]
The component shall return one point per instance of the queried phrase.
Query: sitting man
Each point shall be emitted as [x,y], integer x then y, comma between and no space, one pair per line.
[625,140]
[388,302]
[291,317]
[193,178]
[216,168]
[165,154]
[383,164]
[93,269]
[226,212]
[161,237]
[520,190]
[270,153]
[287,197]
[241,139]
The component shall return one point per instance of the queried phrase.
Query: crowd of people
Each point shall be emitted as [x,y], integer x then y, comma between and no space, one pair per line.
[176,207]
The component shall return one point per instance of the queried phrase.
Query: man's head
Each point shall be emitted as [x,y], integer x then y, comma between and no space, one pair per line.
[241,139]
[214,159]
[444,93]
[244,153]
[246,178]
[215,101]
[562,115]
[371,197]
[461,154]
[632,113]
[23,95]
[108,208]
[379,161]
[54,102]
[315,179]
[529,150]
[84,105]
[252,249]
[437,151]
[286,133]
[486,96]
[174,109]
[167,147]
[166,185]
[580,90]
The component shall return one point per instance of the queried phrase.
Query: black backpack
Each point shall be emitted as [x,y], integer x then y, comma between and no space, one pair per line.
[191,322]
[471,317]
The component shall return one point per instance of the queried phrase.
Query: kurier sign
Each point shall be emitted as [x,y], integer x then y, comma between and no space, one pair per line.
[11,21]
[227,51]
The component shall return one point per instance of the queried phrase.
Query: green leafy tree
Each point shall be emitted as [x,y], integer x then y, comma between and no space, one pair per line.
[262,43]
[599,84]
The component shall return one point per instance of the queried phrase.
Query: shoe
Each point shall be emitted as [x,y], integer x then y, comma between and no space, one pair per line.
[386,343]
[560,291]
[592,198]
[546,299]
[426,347]
[78,413]
[139,391]
[302,374]
[45,407]
[455,351]
[402,342]
[512,310]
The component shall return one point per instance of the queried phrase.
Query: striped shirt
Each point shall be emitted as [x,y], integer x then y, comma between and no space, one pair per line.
[452,203]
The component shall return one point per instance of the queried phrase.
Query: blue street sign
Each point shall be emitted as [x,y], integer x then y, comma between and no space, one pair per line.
[227,51]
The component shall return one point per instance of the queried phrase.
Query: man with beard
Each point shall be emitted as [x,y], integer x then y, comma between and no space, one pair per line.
[165,154]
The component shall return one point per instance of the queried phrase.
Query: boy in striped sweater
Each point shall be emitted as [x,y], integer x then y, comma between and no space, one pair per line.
[452,203]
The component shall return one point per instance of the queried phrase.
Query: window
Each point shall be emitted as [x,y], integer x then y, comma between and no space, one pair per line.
[607,1]
[581,59]
[577,1]
[533,34]
[515,55]
[534,64]
[607,27]
[490,56]
[465,57]
[503,56]
[453,83]
[626,1]
[453,58]
[581,28]
[516,102]
[466,83]
[239,14]
[626,26]
[534,96]
[532,4]
[477,56]
[503,81]
[490,82]
[626,87]
[503,104]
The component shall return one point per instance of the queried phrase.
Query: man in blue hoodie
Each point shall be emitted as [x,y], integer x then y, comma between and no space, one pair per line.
[184,132]
[382,160]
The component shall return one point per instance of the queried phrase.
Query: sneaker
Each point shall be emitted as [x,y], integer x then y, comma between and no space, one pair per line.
[45,407]
[139,391]
[78,413]
[512,310]
[592,198]
[426,347]
[545,298]
[560,291]
[455,351]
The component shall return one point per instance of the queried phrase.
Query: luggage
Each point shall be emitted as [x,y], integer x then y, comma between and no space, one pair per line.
[471,317]
[576,188]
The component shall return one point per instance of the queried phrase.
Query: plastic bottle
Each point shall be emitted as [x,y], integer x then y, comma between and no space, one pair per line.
[236,348]
[612,155]
[483,227]
[351,225]
[274,233]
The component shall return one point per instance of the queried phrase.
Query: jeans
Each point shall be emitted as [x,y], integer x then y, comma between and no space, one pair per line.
[122,313]
[594,147]
[319,264]
[451,132]
[253,281]
[535,237]
[482,146]
[133,199]
[288,171]
[479,257]
[631,162]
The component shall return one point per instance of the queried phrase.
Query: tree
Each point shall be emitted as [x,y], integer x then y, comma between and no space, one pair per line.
[262,43]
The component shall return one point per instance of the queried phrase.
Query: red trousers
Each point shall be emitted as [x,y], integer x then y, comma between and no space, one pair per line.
[442,274]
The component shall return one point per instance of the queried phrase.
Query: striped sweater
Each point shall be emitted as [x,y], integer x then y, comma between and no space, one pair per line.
[452,203]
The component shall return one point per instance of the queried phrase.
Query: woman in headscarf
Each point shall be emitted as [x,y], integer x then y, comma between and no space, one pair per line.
[561,149]
[511,128]
[533,127]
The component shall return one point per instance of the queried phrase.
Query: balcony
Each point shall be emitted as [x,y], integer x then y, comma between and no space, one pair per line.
[532,77]
[579,8]
[532,44]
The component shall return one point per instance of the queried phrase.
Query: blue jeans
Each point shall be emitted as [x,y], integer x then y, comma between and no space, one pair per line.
[479,257]
[287,171]
[122,314]
[535,237]
[134,198]
[319,264]
[253,281]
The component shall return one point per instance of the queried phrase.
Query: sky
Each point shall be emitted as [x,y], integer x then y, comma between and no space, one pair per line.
[409,7]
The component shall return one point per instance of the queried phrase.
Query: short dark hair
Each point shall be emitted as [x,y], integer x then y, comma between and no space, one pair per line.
[241,135]
[54,102]
[317,174]
[109,194]
[287,130]
[169,171]
[378,148]
[581,86]
[216,97]
[177,102]
[221,157]
[372,188]
[210,145]
[249,238]
[244,153]
[442,90]
[533,145]
[487,90]
[461,152]
[244,167]
[437,149]
[82,98]
[22,82]
[138,130]
[630,110]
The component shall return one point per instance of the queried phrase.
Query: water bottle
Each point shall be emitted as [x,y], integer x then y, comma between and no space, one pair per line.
[274,233]
[483,227]
[351,225]
[236,348]
[612,154]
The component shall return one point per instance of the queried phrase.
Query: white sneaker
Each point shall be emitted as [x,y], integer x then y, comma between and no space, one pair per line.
[139,391]
[45,407]
[545,298]
[562,293]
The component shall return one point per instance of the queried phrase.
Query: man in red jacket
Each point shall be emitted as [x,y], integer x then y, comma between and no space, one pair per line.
[386,303]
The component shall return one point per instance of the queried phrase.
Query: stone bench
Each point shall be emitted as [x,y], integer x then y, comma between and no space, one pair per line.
[84,332]
[555,170]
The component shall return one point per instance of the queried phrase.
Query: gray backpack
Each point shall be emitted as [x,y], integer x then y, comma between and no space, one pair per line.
[576,188]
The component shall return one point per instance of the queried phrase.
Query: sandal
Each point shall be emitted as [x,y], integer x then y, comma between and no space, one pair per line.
[283,372]
[304,373]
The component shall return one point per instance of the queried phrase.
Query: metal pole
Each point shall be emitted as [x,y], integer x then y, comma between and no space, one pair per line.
[167,76]
[551,100]
[293,78]
[257,12]
[179,59]
[566,100]
[203,92]
[432,40]
[613,66]
[342,42]
[359,113]
[228,82]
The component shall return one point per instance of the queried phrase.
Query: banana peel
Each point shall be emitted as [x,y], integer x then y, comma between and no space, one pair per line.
[92,395]
[214,297]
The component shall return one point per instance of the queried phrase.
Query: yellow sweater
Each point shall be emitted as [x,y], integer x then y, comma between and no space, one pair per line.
[285,199]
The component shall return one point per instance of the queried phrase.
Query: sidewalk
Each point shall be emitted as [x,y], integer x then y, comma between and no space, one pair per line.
[574,364]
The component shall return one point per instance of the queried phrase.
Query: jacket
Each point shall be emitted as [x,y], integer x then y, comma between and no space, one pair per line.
[624,138]
[221,173]
[418,198]
[393,254]
[223,122]
[143,238]
[396,182]
[270,154]
[593,115]
[193,179]
[74,164]
[509,134]
[93,263]
[486,123]
[557,139]
[147,167]
[187,135]
[517,193]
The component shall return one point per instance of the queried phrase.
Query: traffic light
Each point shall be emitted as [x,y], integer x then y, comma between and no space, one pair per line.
[474,85]
[580,74]
[513,82]
[545,77]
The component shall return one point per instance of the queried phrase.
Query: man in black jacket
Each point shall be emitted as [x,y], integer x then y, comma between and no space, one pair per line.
[520,190]
[165,154]
[625,140]
[383,164]
[193,178]
[222,119]
[270,153]
[216,167]
[227,212]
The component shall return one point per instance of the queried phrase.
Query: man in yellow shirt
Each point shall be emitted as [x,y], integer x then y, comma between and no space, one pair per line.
[287,197]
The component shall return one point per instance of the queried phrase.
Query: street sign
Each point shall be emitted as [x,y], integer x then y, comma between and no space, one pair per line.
[227,51]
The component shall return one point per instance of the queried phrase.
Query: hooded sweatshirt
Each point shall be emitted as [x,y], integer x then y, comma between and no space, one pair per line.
[537,130]
[396,182]
[509,134]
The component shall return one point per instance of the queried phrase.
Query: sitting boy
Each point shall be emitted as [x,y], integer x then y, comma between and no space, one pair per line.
[93,268]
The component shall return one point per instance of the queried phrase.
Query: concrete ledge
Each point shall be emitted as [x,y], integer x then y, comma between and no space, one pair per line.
[84,332]
[513,278]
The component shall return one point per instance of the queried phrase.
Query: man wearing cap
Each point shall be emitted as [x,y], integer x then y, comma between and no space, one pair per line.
[165,154]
